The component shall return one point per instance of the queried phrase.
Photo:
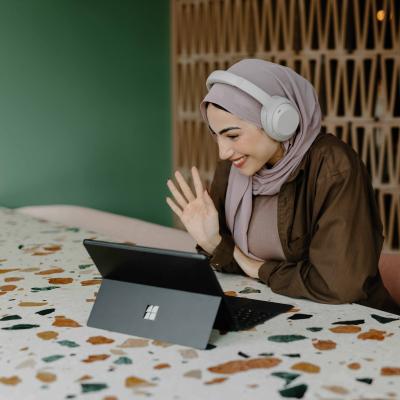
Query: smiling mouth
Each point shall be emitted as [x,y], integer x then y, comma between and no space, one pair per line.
[238,163]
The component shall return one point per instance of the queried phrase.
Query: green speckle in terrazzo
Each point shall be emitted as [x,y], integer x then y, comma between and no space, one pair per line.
[286,338]
[52,358]
[20,326]
[93,387]
[123,360]
[68,343]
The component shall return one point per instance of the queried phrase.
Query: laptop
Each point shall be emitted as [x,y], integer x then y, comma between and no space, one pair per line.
[167,295]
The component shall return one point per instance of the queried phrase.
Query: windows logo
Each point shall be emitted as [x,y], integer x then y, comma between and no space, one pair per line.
[151,312]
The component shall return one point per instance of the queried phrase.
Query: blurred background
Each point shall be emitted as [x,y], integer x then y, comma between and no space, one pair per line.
[85,103]
[99,99]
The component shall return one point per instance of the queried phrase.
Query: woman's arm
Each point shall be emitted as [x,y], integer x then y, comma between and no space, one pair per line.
[222,258]
[344,248]
[196,211]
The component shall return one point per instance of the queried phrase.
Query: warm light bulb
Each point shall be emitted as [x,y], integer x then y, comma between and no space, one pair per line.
[380,15]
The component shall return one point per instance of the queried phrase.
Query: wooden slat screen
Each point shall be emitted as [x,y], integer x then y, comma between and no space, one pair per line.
[348,49]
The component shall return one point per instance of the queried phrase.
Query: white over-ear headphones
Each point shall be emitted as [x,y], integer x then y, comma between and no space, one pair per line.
[279,117]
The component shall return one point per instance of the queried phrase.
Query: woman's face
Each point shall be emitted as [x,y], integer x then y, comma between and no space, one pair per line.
[246,145]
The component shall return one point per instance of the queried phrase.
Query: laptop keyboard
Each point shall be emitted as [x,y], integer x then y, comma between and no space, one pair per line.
[246,318]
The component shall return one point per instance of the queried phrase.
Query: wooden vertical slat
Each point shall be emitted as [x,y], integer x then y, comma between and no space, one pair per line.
[351,58]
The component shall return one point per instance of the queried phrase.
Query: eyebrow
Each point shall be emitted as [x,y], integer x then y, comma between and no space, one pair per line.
[222,131]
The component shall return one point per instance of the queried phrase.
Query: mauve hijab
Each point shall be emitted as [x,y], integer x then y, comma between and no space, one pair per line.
[276,80]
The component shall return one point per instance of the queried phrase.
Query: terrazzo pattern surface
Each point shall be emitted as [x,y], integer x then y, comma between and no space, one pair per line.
[48,285]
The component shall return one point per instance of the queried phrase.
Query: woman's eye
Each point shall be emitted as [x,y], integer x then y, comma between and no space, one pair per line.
[232,136]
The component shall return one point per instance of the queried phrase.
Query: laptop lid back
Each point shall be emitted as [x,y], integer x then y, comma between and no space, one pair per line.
[159,294]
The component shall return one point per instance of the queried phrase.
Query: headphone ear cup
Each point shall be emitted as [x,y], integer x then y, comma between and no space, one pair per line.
[281,119]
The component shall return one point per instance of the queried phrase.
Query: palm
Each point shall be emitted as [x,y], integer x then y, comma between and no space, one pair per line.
[200,220]
[197,212]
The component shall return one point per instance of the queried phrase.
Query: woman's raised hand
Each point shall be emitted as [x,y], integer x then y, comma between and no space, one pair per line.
[197,212]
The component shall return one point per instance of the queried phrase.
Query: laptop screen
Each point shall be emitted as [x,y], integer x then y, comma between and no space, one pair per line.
[154,267]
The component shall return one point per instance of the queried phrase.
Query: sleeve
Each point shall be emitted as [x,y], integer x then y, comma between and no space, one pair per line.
[222,257]
[344,247]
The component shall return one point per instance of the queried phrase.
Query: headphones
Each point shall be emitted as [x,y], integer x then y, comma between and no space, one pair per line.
[279,117]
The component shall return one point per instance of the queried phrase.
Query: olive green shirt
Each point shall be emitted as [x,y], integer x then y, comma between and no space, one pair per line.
[329,227]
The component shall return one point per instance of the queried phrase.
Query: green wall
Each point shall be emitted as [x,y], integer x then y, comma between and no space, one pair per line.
[85,105]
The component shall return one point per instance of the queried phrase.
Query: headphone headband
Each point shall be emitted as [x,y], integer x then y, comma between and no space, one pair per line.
[279,117]
[248,87]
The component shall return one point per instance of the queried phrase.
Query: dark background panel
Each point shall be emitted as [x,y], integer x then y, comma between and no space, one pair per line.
[85,105]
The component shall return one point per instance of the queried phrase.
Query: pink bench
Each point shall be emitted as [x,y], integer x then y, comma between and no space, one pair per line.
[389,266]
[116,227]
[121,228]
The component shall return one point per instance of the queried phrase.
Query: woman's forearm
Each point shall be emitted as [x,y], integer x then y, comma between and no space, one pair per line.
[248,265]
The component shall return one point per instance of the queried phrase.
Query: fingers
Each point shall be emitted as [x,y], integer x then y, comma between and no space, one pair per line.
[184,186]
[176,193]
[174,207]
[198,186]
[208,200]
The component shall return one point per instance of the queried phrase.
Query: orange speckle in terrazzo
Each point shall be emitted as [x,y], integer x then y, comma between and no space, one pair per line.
[46,377]
[12,380]
[13,279]
[32,303]
[162,366]
[390,371]
[60,320]
[4,271]
[96,357]
[8,288]
[42,250]
[60,281]
[47,335]
[99,340]
[345,329]
[232,367]
[231,293]
[293,310]
[85,378]
[306,367]
[134,343]
[372,334]
[50,271]
[1,293]
[161,343]
[133,381]
[215,380]
[91,282]
[336,389]
[354,365]
[53,247]
[324,344]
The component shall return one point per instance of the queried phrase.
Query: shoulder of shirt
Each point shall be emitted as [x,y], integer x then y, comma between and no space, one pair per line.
[223,167]
[333,155]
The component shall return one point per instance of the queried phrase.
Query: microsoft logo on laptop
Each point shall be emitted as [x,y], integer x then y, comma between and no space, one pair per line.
[151,312]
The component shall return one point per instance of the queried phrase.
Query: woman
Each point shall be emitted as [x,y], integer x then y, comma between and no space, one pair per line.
[288,205]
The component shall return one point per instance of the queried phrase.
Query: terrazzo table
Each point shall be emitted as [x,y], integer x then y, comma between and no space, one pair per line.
[47,288]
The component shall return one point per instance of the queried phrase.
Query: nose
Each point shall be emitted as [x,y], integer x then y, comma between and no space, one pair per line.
[224,148]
